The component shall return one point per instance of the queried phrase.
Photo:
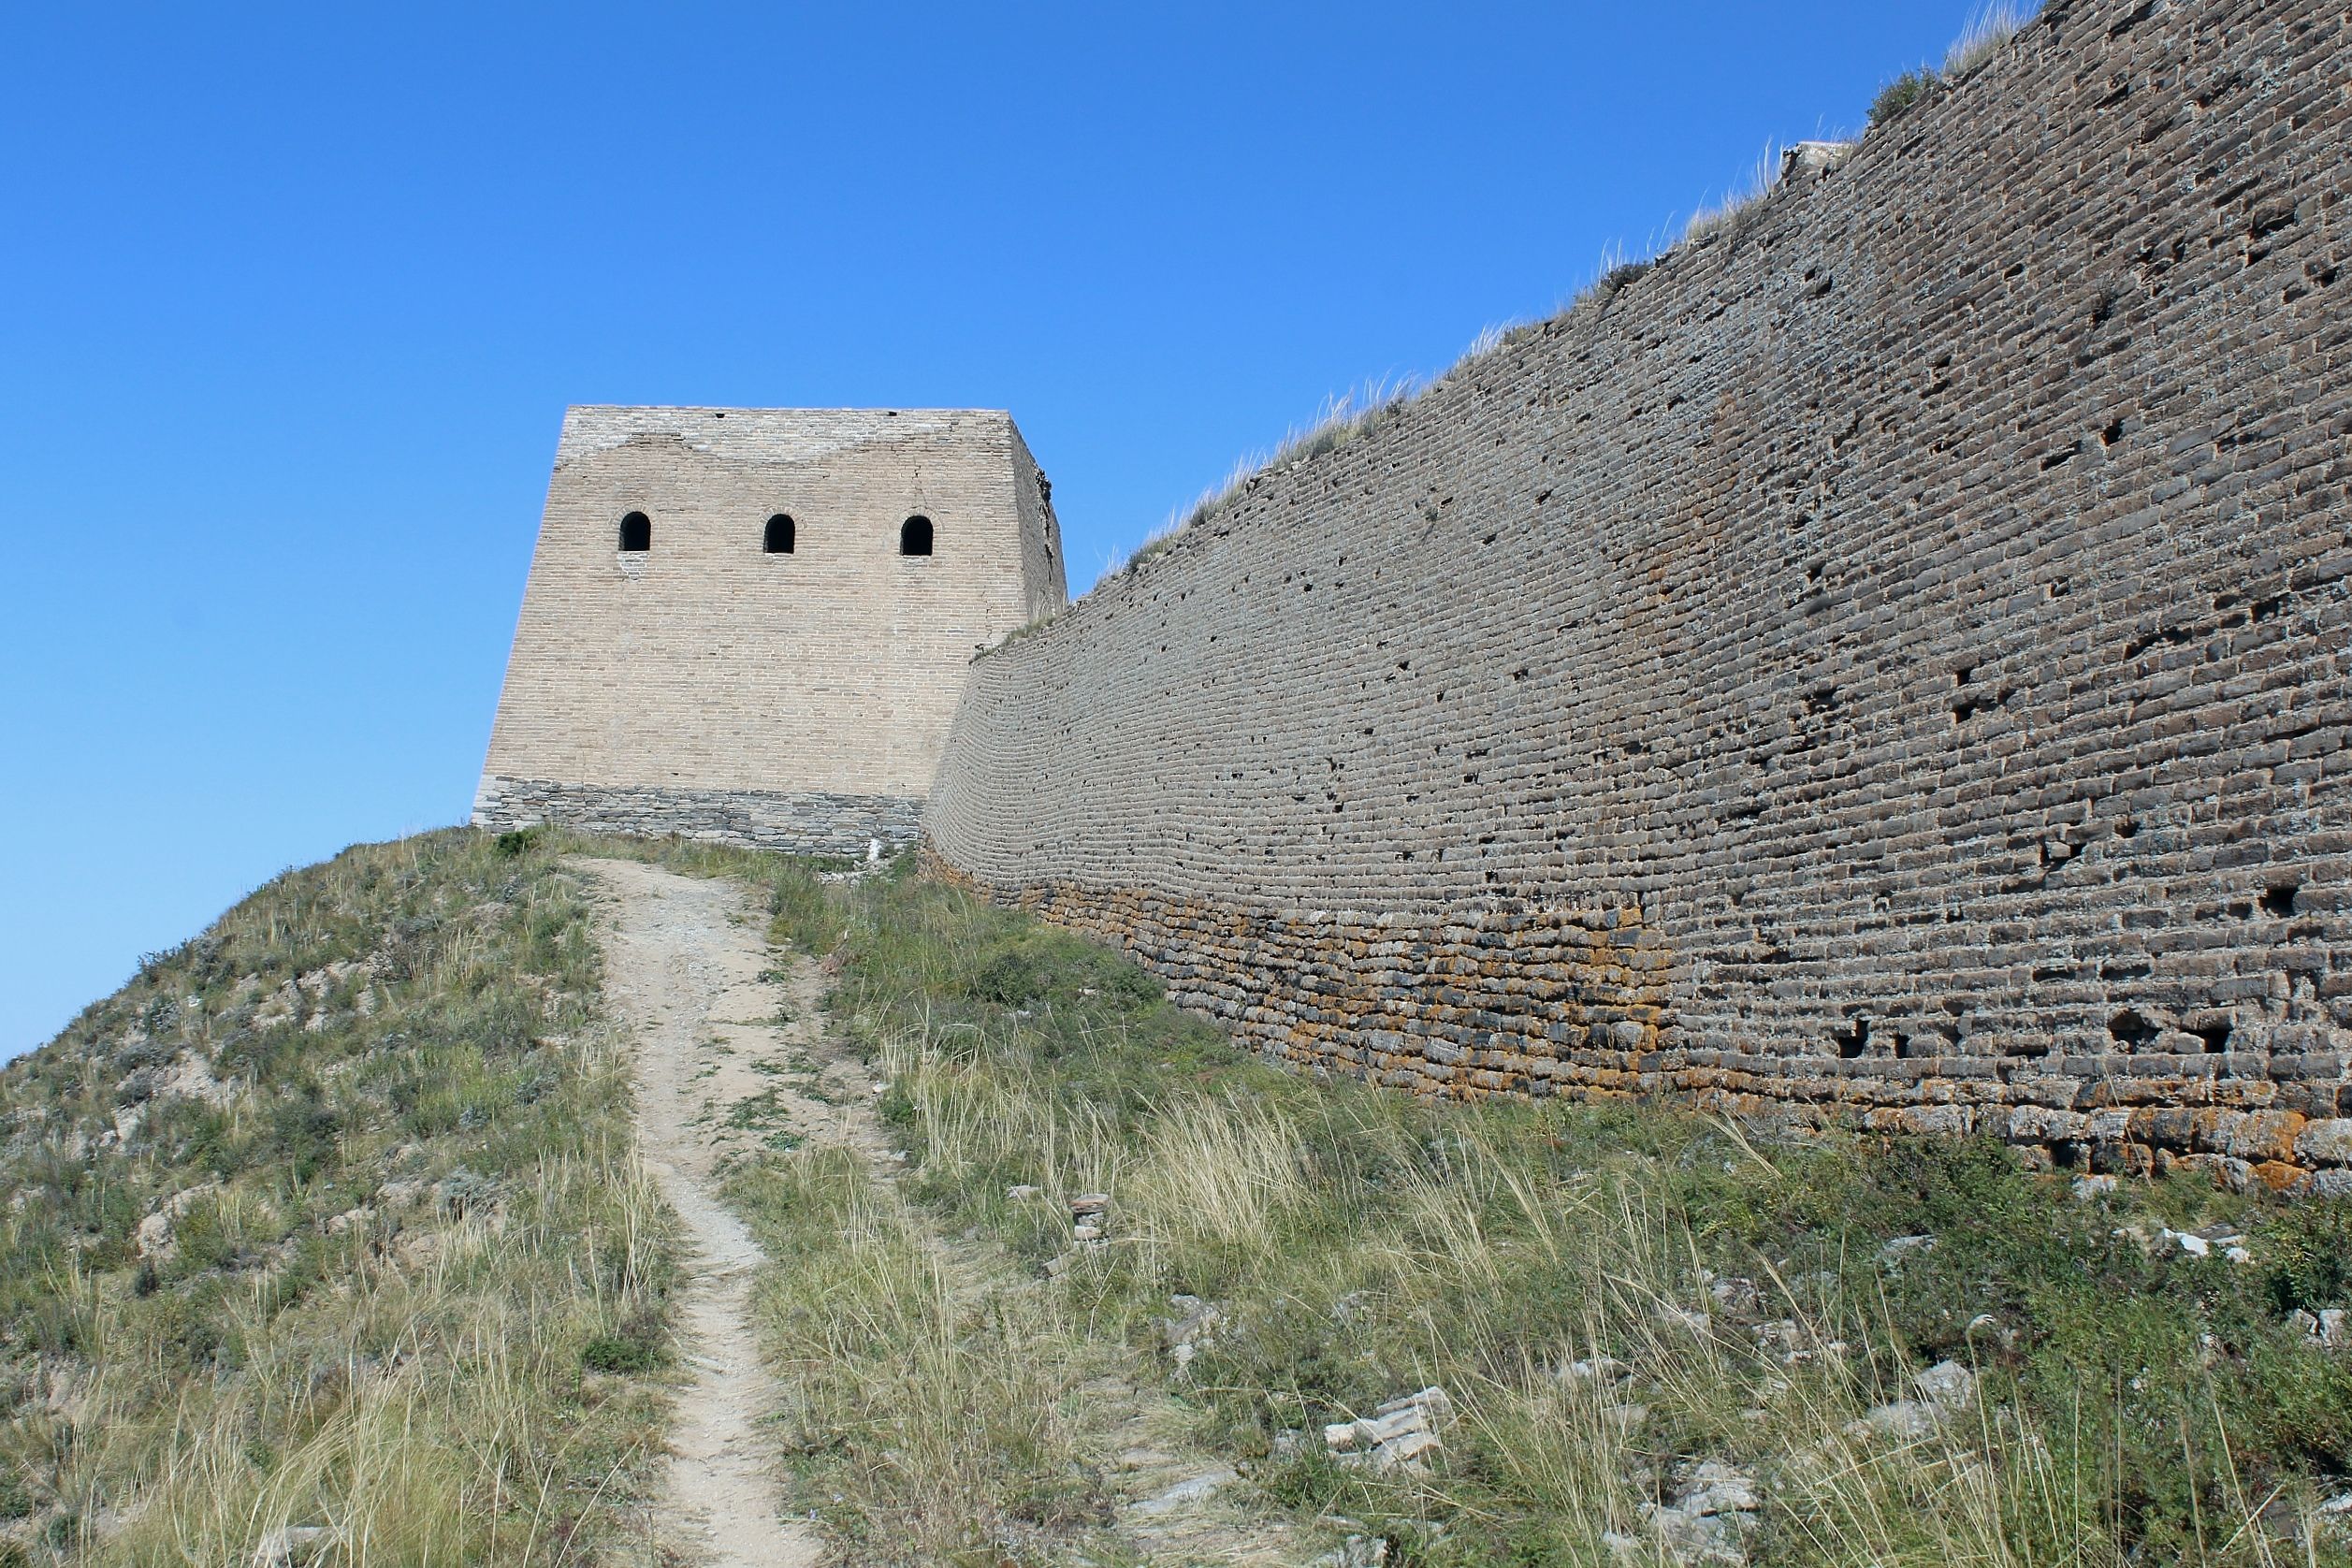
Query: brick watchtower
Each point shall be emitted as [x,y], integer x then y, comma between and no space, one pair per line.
[753,625]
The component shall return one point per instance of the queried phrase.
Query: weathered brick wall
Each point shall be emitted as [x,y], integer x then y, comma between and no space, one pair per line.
[1886,661]
[796,700]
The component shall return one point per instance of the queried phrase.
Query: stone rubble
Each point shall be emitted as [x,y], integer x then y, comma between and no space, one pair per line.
[1357,1551]
[1945,1390]
[1735,1297]
[1902,1247]
[2326,1330]
[1791,1345]
[1402,1431]
[1597,1369]
[1708,1520]
[1191,1330]
[2202,1244]
[292,1544]
[1196,1488]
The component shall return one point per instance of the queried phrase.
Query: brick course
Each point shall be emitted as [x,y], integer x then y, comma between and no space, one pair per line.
[1886,661]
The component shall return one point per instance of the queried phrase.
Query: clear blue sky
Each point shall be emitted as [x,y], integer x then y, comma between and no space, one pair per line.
[293,296]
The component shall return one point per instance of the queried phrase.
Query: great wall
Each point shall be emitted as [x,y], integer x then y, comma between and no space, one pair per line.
[1884,662]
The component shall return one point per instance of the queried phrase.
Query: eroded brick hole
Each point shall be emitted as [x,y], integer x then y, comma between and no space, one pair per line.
[2280,900]
[2130,1030]
[1853,1042]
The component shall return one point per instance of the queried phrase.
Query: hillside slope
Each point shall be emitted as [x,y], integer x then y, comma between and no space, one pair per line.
[326,1243]
[1654,1337]
[318,1232]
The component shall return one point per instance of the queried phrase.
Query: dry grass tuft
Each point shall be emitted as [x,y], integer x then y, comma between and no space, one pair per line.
[1740,203]
[1990,25]
[1342,418]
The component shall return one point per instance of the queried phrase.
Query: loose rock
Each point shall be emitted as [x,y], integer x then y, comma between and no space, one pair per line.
[156,1235]
[289,1544]
[1945,1390]
[1402,1431]
[1191,1330]
[1198,1489]
[1711,1514]
[2325,1329]
[1902,1247]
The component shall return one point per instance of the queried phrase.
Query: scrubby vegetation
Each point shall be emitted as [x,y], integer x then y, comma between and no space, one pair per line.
[1659,1338]
[324,1241]
[1900,94]
[326,1244]
[1340,420]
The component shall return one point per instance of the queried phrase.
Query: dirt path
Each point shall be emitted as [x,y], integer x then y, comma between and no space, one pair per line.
[684,967]
[732,1047]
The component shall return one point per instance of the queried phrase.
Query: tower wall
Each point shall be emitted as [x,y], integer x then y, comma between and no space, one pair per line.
[707,687]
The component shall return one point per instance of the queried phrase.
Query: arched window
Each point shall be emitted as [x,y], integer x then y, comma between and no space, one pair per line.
[778,539]
[914,536]
[636,532]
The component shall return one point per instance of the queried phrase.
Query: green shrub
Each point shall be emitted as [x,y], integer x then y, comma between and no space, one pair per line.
[1624,272]
[301,1136]
[619,1353]
[1048,967]
[2309,1253]
[1900,94]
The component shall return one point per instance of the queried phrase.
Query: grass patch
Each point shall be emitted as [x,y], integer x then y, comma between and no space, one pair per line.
[1740,204]
[316,1223]
[933,1419]
[1758,1307]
